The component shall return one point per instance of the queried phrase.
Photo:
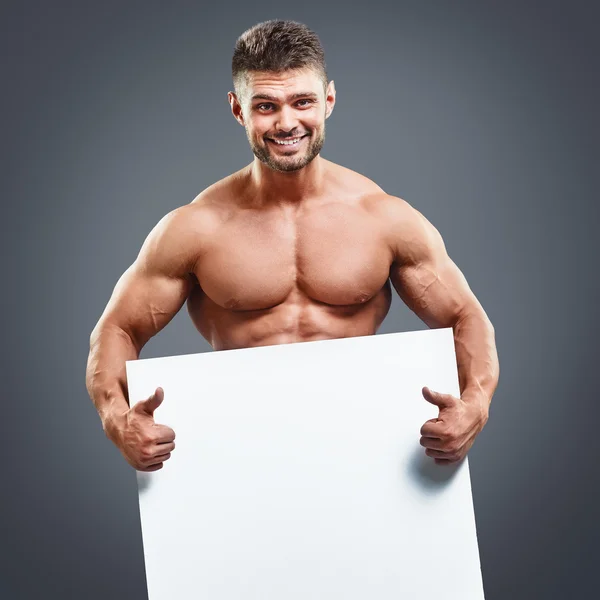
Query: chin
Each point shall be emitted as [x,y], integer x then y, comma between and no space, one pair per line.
[290,166]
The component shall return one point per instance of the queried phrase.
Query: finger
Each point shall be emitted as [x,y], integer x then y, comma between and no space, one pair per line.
[151,468]
[153,402]
[437,398]
[439,454]
[430,442]
[152,458]
[164,448]
[161,457]
[443,461]
[164,434]
[154,453]
[433,429]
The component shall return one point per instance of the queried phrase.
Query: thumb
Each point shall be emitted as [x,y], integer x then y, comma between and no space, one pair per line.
[437,398]
[153,402]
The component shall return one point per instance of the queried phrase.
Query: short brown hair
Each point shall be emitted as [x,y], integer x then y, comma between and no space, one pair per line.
[277,46]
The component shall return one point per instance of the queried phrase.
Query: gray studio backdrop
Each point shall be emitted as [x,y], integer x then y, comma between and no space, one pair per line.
[482,115]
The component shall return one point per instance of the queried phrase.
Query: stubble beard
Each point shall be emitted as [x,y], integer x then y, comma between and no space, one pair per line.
[288,164]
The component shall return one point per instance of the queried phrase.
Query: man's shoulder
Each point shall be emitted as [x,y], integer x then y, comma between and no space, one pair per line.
[371,195]
[392,209]
[186,223]
[203,214]
[184,231]
[221,195]
[351,182]
[408,232]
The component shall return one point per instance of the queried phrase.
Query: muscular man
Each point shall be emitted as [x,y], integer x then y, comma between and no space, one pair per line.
[290,248]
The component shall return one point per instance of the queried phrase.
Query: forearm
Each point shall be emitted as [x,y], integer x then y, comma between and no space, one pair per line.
[476,355]
[106,378]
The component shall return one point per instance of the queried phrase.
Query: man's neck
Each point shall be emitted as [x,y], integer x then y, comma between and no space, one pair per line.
[293,187]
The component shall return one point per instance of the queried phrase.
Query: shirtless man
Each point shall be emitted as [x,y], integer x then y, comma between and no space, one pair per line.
[290,248]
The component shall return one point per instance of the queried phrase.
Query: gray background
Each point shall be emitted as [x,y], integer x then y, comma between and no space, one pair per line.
[483,116]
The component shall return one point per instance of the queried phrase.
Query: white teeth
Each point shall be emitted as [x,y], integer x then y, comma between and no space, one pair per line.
[288,142]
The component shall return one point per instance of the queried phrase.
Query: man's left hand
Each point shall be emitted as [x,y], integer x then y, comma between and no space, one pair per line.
[448,438]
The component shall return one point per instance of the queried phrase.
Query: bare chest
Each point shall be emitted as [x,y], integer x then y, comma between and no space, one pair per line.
[333,255]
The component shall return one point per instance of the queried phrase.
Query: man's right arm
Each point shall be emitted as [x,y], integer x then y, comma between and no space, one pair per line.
[145,299]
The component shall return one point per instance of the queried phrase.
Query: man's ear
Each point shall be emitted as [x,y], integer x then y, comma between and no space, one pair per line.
[329,98]
[236,107]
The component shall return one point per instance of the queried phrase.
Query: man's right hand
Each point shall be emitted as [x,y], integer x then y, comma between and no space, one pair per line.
[144,444]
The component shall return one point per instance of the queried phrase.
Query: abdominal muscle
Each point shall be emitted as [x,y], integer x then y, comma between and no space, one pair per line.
[298,318]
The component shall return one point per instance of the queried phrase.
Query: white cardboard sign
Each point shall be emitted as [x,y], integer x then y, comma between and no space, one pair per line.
[298,475]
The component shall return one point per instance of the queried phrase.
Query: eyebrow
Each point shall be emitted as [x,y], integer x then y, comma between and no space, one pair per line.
[292,97]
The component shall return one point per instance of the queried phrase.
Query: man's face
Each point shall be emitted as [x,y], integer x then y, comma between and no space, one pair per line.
[284,116]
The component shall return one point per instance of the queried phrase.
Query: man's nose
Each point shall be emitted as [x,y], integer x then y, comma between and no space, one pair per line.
[287,119]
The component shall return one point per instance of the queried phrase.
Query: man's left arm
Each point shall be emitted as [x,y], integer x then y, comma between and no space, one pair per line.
[433,287]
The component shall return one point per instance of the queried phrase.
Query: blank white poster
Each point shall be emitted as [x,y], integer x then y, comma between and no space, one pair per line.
[298,475]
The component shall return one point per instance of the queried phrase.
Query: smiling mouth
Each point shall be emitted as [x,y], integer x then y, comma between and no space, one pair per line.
[288,142]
